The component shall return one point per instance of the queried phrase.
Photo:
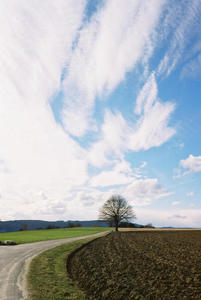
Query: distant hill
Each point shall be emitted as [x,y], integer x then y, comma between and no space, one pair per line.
[179,227]
[16,225]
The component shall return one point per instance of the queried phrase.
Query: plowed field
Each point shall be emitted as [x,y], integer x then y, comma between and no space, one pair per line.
[140,265]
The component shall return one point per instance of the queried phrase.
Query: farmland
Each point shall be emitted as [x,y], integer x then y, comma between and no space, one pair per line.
[29,236]
[140,265]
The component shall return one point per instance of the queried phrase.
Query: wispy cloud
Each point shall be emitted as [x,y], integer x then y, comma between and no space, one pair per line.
[110,45]
[192,68]
[190,194]
[191,163]
[112,142]
[152,128]
[36,40]
[175,203]
[120,174]
[176,217]
[55,52]
[182,18]
[143,192]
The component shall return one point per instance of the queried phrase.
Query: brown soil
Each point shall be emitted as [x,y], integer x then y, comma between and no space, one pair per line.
[140,265]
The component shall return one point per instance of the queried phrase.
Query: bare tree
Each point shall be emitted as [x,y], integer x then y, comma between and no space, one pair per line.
[115,210]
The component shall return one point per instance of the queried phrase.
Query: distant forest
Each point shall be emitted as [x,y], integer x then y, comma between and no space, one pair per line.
[20,225]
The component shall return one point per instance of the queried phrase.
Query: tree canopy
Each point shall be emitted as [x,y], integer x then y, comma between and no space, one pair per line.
[115,210]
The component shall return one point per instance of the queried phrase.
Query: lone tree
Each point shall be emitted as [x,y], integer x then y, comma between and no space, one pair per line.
[115,210]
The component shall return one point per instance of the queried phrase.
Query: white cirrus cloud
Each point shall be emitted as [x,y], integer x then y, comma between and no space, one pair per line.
[108,46]
[190,194]
[152,128]
[192,68]
[175,203]
[191,163]
[176,218]
[36,42]
[36,155]
[112,141]
[120,174]
[143,192]
[183,20]
[49,48]
[147,96]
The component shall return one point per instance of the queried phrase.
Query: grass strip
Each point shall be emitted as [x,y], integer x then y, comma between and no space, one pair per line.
[47,276]
[29,236]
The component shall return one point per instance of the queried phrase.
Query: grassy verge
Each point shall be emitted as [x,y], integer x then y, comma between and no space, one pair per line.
[47,277]
[30,236]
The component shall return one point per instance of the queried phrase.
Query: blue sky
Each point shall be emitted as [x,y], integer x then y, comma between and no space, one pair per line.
[98,98]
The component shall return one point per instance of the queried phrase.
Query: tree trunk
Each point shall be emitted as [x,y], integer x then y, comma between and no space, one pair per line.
[116,227]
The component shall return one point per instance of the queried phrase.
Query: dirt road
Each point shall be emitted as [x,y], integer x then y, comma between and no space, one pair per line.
[14,262]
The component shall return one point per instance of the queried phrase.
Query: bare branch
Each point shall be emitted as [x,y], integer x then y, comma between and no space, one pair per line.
[116,209]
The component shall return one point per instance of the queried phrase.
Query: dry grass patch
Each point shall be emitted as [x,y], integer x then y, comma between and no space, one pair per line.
[158,229]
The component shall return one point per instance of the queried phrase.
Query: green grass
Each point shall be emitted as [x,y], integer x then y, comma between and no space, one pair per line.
[29,236]
[48,278]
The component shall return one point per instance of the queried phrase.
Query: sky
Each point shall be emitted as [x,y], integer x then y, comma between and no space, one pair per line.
[100,97]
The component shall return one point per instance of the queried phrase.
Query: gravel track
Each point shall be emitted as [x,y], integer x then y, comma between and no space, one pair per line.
[14,263]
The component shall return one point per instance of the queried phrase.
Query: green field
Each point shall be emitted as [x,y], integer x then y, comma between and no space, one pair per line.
[29,236]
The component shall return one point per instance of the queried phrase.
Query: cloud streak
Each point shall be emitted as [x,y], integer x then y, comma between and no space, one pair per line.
[184,19]
[73,59]
[191,163]
[36,40]
[143,192]
[150,130]
[152,127]
[109,45]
